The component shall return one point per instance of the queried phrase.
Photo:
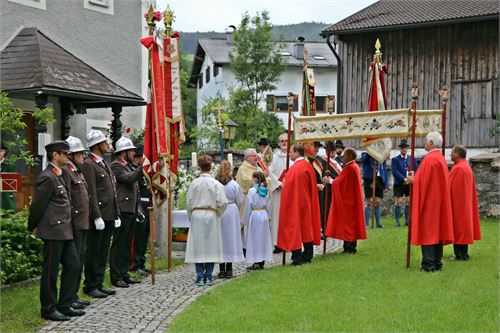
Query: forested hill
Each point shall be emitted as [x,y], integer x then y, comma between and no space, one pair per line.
[308,30]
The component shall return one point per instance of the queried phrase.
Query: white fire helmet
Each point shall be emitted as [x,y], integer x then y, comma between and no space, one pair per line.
[75,144]
[94,137]
[124,143]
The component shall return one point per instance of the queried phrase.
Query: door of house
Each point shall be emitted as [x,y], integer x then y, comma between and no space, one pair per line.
[23,197]
[472,113]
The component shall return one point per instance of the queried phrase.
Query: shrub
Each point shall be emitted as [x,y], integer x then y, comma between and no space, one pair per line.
[21,252]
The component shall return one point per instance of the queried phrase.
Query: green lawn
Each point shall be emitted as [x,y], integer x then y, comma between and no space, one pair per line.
[20,306]
[371,291]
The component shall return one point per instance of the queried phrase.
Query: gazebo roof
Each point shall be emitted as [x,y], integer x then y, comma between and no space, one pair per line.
[32,62]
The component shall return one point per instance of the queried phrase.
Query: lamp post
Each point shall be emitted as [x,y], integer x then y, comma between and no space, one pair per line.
[219,108]
[229,131]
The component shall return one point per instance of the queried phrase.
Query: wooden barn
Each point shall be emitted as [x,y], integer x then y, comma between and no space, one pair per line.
[432,43]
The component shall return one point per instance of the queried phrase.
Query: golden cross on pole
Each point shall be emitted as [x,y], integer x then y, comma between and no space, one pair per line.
[219,107]
[168,18]
[150,19]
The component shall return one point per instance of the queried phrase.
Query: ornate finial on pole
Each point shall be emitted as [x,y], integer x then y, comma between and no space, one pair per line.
[444,94]
[150,15]
[378,55]
[414,91]
[168,18]
[305,57]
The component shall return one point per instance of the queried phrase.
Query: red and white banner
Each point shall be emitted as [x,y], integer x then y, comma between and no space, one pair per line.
[164,129]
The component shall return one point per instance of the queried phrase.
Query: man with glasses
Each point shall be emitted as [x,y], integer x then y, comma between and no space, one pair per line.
[276,179]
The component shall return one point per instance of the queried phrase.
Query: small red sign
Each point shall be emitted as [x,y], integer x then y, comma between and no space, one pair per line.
[10,182]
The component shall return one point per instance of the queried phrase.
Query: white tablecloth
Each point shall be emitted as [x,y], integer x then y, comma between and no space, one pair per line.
[180,219]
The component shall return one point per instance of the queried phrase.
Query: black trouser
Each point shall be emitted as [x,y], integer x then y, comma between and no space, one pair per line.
[299,256]
[226,267]
[461,251]
[431,257]
[97,255]
[120,256]
[80,239]
[350,247]
[55,252]
[140,236]
[321,198]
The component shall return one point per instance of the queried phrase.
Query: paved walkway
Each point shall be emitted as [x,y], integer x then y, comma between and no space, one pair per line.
[147,308]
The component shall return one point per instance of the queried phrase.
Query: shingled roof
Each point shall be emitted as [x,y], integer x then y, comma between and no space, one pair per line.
[218,49]
[391,14]
[32,62]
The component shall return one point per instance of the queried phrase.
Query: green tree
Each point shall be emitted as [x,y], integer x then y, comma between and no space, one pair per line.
[267,124]
[12,128]
[256,61]
[188,97]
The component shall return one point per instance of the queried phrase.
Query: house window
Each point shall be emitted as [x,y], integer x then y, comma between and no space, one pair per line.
[207,74]
[216,70]
[279,103]
[200,81]
[101,6]
[321,105]
[39,4]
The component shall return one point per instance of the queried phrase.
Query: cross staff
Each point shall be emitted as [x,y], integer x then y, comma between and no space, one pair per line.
[220,108]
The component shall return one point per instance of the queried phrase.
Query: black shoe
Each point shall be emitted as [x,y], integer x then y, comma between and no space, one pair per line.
[228,274]
[55,316]
[277,250]
[96,293]
[78,306]
[131,281]
[427,270]
[107,291]
[297,263]
[70,312]
[141,272]
[146,270]
[221,275]
[83,301]
[380,226]
[119,284]
[254,267]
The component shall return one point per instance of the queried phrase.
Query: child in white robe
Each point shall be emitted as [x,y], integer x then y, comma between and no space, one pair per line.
[232,248]
[256,218]
[206,202]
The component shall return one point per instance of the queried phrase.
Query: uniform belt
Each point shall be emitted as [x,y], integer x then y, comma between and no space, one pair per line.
[211,209]
[258,209]
[145,199]
[231,202]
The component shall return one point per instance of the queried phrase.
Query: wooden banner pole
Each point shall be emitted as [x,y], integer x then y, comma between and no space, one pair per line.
[444,99]
[414,96]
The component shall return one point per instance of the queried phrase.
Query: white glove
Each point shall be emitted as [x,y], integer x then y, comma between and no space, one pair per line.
[118,222]
[99,223]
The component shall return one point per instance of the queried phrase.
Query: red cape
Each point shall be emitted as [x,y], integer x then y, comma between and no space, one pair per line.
[299,210]
[346,219]
[431,219]
[466,226]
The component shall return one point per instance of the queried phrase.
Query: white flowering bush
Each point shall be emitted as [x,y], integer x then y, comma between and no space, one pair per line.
[184,179]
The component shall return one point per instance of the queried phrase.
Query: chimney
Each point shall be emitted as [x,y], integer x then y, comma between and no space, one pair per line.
[298,48]
[229,33]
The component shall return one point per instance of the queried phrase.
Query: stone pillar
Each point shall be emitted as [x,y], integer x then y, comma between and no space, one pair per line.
[486,171]
[116,124]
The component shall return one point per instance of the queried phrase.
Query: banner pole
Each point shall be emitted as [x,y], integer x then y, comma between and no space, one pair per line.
[414,96]
[444,98]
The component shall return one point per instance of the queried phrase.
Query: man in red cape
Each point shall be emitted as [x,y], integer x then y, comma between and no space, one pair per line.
[346,218]
[299,219]
[466,226]
[431,218]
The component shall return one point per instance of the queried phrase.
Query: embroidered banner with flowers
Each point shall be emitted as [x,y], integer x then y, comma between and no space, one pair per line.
[382,124]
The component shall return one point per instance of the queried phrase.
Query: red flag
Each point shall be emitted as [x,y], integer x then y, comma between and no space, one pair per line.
[155,140]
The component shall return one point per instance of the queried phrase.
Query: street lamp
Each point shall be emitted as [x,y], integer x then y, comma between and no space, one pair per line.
[229,131]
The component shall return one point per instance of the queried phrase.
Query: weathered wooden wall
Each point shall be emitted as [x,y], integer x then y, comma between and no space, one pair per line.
[462,56]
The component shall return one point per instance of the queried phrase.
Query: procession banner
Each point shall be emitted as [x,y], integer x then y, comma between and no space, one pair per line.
[380,124]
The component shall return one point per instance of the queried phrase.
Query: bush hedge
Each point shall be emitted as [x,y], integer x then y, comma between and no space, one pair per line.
[20,251]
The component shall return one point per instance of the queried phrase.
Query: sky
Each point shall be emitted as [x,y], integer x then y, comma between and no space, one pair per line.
[217,15]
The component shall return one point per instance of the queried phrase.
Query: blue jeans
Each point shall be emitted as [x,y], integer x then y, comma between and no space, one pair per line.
[204,271]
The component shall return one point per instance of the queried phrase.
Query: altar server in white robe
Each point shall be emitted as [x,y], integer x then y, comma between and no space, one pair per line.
[232,248]
[276,174]
[206,202]
[256,218]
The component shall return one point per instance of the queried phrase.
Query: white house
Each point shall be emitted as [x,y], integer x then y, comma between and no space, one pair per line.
[212,74]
